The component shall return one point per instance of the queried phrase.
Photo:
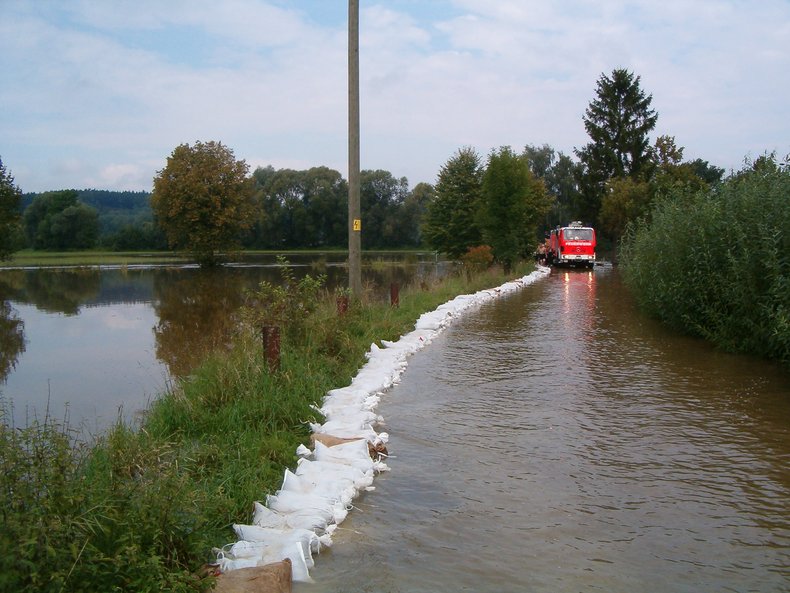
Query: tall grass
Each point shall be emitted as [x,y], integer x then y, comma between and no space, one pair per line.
[140,508]
[716,264]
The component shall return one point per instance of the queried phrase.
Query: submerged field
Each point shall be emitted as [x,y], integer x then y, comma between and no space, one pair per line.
[141,507]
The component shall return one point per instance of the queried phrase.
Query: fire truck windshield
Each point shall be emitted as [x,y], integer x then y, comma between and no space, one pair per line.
[572,234]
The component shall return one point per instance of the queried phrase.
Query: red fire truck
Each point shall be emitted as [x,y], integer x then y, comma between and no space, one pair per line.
[572,245]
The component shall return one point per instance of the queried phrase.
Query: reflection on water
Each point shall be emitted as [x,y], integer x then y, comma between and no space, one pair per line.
[98,340]
[556,441]
[12,339]
[195,313]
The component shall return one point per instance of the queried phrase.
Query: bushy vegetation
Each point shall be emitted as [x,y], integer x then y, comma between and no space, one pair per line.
[716,263]
[10,200]
[477,259]
[141,509]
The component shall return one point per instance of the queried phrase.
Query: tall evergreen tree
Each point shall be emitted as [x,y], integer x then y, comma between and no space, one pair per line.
[451,217]
[618,122]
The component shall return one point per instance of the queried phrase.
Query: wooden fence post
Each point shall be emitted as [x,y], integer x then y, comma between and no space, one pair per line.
[342,305]
[271,347]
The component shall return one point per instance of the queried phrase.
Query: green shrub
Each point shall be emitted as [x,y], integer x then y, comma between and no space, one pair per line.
[477,259]
[716,263]
[288,304]
[117,516]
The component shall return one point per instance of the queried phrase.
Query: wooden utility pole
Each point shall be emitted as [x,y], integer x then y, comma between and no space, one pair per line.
[354,211]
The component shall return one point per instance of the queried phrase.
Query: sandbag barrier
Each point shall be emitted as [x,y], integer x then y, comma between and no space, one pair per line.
[300,518]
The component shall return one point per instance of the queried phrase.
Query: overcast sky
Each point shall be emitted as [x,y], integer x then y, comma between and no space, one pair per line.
[98,93]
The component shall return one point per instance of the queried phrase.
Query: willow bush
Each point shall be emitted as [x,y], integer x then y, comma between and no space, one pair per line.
[716,263]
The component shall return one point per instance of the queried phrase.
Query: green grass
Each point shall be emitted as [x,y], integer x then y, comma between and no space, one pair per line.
[33,258]
[30,258]
[141,508]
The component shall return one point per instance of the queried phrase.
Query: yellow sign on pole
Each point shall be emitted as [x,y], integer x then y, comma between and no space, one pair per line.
[357,224]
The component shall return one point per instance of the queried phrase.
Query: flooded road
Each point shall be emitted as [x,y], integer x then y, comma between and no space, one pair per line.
[556,441]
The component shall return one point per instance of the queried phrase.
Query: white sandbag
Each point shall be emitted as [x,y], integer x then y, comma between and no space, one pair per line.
[266,536]
[348,396]
[334,489]
[354,453]
[317,495]
[298,503]
[303,451]
[265,517]
[227,564]
[300,571]
[430,321]
[333,405]
[262,554]
[356,416]
[317,470]
[344,430]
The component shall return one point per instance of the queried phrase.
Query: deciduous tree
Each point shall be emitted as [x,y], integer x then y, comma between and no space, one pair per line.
[513,204]
[203,200]
[560,175]
[624,201]
[710,174]
[413,212]
[58,220]
[381,199]
[671,174]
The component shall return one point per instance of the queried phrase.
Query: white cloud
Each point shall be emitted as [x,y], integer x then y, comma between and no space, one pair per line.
[102,93]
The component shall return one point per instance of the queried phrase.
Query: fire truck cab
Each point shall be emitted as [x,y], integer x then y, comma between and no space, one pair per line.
[572,245]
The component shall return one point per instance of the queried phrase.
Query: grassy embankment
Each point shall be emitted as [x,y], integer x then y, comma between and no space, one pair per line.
[140,509]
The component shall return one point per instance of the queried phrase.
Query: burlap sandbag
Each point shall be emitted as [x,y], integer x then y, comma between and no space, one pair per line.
[271,578]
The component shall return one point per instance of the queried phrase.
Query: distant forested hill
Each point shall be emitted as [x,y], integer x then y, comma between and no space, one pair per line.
[117,209]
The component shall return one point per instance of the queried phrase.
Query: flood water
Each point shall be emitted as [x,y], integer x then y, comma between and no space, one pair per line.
[556,441]
[90,343]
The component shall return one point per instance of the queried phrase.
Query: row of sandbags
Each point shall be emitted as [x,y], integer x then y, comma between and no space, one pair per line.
[300,518]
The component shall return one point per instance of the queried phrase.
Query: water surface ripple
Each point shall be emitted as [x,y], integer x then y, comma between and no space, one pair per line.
[557,441]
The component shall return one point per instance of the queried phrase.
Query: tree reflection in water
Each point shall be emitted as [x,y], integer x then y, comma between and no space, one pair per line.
[196,313]
[60,291]
[12,339]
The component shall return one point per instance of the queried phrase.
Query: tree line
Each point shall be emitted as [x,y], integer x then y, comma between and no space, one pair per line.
[293,209]
[205,201]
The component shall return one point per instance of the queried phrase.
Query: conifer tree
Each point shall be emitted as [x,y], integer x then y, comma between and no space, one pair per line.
[451,217]
[618,122]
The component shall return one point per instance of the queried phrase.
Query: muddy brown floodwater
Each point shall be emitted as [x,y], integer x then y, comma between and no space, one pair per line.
[557,441]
